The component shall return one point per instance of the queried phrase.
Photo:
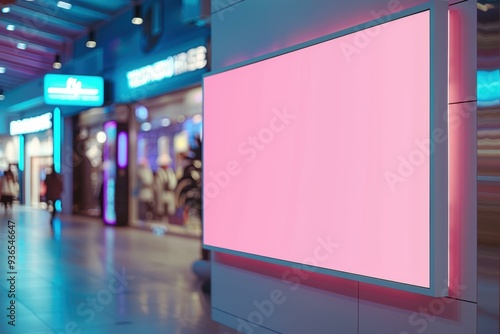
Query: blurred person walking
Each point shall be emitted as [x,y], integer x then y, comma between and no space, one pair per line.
[10,189]
[53,182]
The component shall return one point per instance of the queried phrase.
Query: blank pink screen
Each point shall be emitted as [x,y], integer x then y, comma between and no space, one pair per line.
[326,144]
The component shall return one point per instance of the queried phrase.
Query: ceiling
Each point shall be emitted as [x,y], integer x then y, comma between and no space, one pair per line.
[47,30]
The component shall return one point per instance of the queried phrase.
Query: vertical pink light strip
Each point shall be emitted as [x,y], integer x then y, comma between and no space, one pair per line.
[325,160]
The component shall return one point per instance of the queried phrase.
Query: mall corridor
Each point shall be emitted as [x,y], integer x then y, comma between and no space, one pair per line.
[82,277]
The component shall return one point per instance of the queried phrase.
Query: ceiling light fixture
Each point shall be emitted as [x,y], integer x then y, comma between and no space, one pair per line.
[165,122]
[5,10]
[21,46]
[2,97]
[11,27]
[137,19]
[91,43]
[2,69]
[146,126]
[64,5]
[57,62]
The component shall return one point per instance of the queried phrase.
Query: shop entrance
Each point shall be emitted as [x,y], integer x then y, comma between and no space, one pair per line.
[39,168]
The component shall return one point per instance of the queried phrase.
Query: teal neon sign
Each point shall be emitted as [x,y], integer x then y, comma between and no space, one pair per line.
[488,88]
[73,90]
[57,139]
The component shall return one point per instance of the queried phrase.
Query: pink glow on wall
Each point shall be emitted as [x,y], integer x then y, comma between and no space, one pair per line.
[298,150]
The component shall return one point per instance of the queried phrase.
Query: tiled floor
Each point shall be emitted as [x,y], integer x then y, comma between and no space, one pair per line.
[82,277]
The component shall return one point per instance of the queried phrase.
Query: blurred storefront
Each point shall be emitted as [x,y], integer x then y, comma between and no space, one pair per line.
[30,154]
[149,111]
[88,145]
[168,128]
[158,90]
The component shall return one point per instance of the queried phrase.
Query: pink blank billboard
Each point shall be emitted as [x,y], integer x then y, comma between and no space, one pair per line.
[320,156]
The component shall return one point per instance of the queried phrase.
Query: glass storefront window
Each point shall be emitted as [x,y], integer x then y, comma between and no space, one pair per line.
[168,128]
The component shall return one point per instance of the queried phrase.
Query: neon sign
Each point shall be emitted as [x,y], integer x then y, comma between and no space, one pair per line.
[74,90]
[31,125]
[184,62]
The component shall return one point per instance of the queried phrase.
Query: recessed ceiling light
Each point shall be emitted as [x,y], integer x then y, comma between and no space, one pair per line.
[57,62]
[146,126]
[165,122]
[91,43]
[2,69]
[137,18]
[5,9]
[101,137]
[64,5]
[197,118]
[11,27]
[21,46]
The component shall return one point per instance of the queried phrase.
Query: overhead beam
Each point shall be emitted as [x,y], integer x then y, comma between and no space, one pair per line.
[13,65]
[43,17]
[38,39]
[31,31]
[32,67]
[31,46]
[79,10]
[13,52]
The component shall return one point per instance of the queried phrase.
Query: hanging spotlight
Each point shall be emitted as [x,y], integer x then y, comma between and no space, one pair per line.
[2,97]
[91,43]
[137,19]
[57,62]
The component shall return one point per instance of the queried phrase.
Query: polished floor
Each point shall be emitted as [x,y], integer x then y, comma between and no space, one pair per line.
[81,277]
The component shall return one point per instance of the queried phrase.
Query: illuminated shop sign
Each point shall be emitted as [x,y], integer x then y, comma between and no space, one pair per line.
[184,62]
[31,125]
[73,90]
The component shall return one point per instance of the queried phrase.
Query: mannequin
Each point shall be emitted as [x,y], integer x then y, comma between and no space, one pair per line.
[145,188]
[165,184]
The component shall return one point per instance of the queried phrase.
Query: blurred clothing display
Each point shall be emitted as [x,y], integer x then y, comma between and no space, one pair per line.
[165,184]
[145,188]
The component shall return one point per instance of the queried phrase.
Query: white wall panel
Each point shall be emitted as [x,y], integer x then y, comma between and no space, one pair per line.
[396,312]
[297,308]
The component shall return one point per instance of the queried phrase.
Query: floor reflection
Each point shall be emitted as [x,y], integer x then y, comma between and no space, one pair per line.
[77,275]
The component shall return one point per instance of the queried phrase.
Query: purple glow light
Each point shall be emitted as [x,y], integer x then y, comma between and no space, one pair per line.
[122,150]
